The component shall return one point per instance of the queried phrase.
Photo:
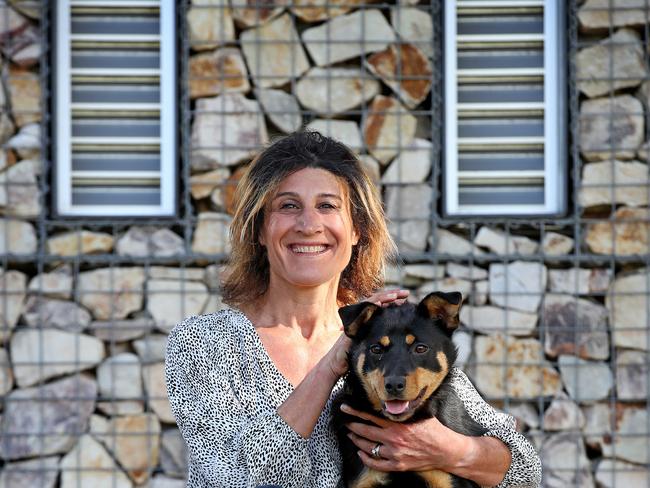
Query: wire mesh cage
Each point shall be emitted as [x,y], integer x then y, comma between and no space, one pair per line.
[556,310]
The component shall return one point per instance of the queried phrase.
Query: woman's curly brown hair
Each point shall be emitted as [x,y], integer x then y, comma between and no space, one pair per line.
[246,276]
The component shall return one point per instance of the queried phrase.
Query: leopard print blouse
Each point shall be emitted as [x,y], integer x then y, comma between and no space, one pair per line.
[224,391]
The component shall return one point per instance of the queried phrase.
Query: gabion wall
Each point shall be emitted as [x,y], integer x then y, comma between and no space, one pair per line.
[555,321]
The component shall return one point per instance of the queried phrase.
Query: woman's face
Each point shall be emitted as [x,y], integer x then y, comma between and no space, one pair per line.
[308,230]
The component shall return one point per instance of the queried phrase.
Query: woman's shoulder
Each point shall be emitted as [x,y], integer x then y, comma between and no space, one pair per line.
[224,322]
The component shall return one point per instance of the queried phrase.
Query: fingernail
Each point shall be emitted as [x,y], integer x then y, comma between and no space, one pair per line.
[359,453]
[349,434]
[345,407]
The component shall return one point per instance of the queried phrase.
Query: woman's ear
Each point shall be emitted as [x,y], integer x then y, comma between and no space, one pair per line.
[355,237]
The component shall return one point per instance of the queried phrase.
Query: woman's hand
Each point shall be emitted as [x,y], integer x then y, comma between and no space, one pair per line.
[384,298]
[336,359]
[417,446]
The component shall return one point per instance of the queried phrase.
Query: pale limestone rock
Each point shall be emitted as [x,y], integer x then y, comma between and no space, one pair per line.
[160,481]
[627,302]
[39,354]
[614,63]
[13,286]
[601,15]
[565,462]
[463,342]
[29,55]
[211,234]
[119,377]
[472,273]
[611,127]
[629,441]
[500,242]
[317,10]
[50,417]
[408,202]
[27,142]
[134,440]
[111,293]
[79,242]
[214,304]
[612,182]
[525,414]
[169,273]
[227,129]
[412,164]
[33,473]
[425,271]
[31,9]
[631,375]
[626,235]
[415,26]
[273,52]
[17,237]
[371,167]
[613,473]
[480,292]
[446,242]
[249,13]
[517,285]
[212,276]
[7,128]
[598,424]
[575,326]
[405,69]
[49,312]
[445,285]
[387,128]
[6,374]
[203,184]
[563,414]
[169,301]
[147,241]
[582,281]
[151,348]
[18,35]
[281,108]
[344,131]
[490,320]
[153,376]
[356,34]
[56,284]
[555,244]
[586,381]
[24,90]
[331,91]
[88,464]
[209,24]
[19,193]
[116,331]
[515,368]
[173,453]
[120,407]
[7,158]
[215,72]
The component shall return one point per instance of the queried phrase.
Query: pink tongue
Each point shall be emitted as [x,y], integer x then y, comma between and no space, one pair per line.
[396,407]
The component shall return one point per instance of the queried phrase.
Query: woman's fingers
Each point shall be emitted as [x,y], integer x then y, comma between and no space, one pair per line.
[387,297]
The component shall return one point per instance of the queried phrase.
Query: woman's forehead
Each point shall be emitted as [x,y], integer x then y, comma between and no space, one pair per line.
[312,181]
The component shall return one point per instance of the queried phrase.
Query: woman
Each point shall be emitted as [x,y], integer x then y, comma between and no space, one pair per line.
[250,387]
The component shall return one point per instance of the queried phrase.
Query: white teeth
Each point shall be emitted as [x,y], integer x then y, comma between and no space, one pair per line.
[308,249]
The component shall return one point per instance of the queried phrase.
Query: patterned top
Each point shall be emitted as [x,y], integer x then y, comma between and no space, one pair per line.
[224,391]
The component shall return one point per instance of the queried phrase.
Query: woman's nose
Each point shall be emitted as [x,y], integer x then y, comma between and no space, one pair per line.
[308,222]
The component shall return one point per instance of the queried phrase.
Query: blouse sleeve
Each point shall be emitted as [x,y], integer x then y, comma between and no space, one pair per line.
[525,468]
[232,439]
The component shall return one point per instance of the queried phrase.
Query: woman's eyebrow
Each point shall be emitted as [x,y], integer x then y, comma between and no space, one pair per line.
[295,195]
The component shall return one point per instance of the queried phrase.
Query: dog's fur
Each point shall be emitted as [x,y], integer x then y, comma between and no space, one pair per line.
[401,353]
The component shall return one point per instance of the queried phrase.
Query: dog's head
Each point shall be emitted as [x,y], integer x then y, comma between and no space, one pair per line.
[401,354]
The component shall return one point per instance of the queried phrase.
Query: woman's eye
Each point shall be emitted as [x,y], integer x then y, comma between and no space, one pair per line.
[421,348]
[288,205]
[328,206]
[376,349]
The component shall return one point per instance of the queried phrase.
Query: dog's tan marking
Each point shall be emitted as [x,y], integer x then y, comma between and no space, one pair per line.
[385,341]
[410,339]
[439,307]
[423,378]
[369,478]
[436,479]
[372,382]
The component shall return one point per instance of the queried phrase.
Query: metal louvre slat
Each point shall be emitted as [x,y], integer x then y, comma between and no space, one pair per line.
[117,152]
[498,147]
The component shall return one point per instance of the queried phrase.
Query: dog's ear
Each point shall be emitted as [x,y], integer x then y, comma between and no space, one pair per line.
[443,306]
[355,316]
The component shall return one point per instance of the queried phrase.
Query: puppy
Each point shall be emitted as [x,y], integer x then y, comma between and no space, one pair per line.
[399,361]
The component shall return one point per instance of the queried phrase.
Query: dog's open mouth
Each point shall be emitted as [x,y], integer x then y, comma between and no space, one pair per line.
[399,408]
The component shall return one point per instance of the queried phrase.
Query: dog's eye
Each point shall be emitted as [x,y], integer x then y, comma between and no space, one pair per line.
[421,348]
[376,349]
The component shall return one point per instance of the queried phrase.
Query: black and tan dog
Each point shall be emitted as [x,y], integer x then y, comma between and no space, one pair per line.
[399,361]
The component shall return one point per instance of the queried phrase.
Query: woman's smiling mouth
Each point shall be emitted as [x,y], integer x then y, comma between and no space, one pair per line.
[308,249]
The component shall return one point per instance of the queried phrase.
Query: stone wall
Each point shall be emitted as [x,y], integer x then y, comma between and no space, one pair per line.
[555,321]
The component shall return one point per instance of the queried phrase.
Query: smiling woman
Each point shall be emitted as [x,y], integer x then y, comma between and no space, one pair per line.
[251,387]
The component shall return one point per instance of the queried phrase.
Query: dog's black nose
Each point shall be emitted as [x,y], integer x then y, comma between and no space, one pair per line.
[395,384]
